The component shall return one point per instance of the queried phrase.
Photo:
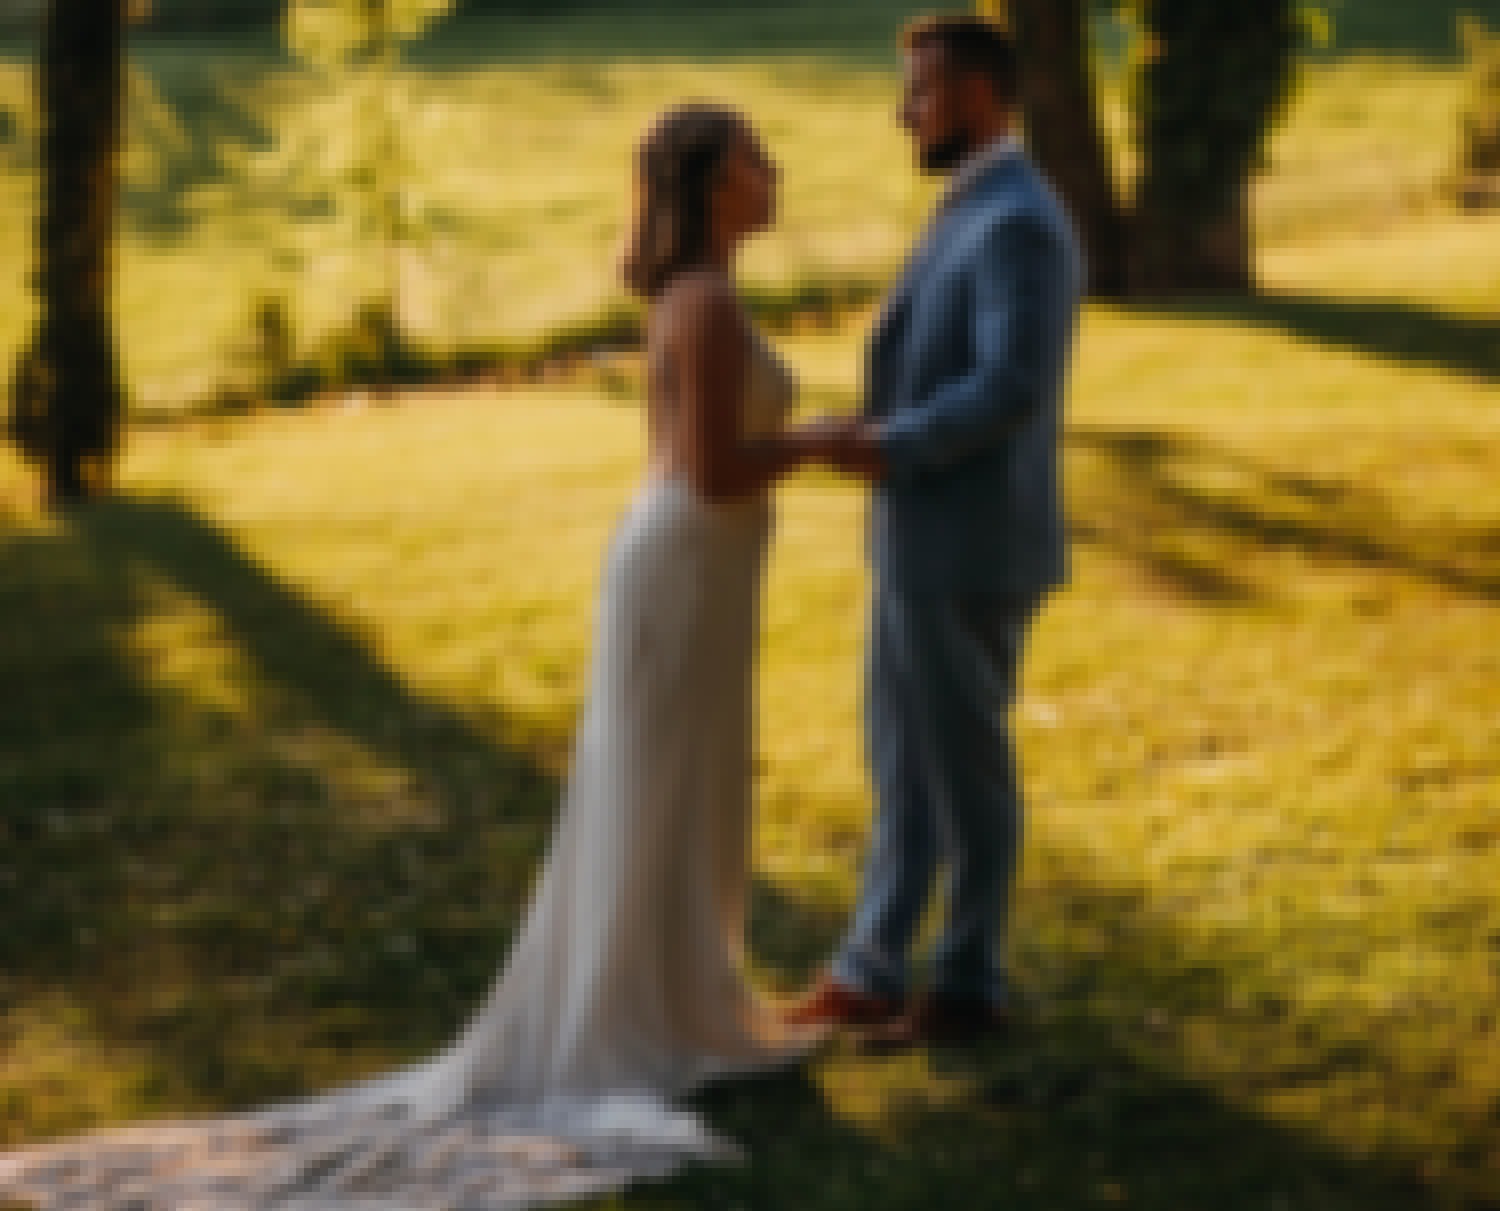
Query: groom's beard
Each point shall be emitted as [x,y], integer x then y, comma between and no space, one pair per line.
[947,155]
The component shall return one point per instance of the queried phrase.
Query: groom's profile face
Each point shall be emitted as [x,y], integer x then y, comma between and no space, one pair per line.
[932,110]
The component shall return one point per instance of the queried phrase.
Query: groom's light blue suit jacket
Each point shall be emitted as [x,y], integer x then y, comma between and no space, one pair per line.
[965,377]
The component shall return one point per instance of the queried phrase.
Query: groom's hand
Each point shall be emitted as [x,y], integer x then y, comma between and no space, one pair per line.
[843,441]
[853,449]
[815,439]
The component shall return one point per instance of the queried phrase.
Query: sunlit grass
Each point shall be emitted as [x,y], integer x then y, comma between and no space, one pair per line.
[285,720]
[516,136]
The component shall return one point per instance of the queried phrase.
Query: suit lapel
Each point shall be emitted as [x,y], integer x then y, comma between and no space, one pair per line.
[886,330]
[900,295]
[939,227]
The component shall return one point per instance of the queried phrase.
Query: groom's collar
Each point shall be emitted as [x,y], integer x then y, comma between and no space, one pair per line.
[964,178]
[976,165]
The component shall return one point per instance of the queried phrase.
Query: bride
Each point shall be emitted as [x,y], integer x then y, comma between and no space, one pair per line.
[625,988]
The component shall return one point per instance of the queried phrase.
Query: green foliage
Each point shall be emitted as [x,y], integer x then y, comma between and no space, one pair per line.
[1479,164]
[515,140]
[1209,81]
[335,33]
[355,45]
[1211,78]
[207,14]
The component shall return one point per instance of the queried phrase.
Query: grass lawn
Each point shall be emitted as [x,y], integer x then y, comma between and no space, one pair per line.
[284,722]
[515,135]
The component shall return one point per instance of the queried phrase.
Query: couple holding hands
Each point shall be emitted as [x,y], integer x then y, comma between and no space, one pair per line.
[625,988]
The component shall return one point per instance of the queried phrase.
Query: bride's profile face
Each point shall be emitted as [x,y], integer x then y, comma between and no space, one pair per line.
[745,200]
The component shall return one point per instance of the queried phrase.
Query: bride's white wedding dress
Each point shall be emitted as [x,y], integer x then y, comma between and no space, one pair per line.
[625,988]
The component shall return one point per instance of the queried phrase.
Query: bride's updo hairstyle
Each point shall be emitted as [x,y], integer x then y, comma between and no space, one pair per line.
[678,164]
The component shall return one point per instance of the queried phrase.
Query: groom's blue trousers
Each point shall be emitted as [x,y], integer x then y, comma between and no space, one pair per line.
[941,674]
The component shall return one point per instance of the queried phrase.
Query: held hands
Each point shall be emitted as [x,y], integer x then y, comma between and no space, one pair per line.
[842,441]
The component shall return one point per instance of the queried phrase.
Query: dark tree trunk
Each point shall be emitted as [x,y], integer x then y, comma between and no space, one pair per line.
[1210,88]
[68,400]
[1181,250]
[1063,130]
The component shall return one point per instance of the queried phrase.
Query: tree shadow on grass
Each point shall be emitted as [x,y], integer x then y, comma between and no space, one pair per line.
[207,883]
[1092,1103]
[206,859]
[1391,329]
[1196,514]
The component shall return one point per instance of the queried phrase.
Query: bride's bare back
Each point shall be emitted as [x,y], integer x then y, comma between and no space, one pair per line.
[701,362]
[626,985]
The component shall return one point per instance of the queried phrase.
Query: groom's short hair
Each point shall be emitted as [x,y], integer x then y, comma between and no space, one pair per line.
[972,44]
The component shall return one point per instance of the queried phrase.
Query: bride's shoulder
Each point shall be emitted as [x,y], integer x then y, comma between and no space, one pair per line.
[700,299]
[699,289]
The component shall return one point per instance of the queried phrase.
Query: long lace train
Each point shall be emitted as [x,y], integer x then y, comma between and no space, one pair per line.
[624,990]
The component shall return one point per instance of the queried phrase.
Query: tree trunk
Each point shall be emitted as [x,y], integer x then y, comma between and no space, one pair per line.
[68,400]
[1063,130]
[1211,85]
[1178,250]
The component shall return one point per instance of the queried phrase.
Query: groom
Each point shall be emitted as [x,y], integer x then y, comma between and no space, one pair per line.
[959,434]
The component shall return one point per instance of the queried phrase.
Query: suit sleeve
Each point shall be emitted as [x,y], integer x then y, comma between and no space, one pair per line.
[1004,387]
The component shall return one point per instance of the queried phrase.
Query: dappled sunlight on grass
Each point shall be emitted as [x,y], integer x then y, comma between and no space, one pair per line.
[298,700]
[285,720]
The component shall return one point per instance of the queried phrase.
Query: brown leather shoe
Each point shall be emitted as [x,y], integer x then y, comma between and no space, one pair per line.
[835,1004]
[944,1023]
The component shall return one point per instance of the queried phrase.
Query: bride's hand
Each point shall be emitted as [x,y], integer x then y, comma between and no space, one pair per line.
[819,439]
[847,443]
